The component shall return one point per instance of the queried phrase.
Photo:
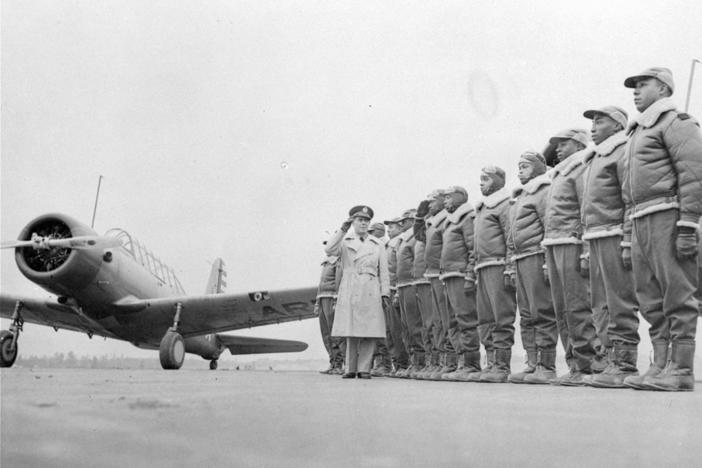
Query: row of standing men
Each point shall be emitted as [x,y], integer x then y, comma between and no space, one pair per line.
[578,250]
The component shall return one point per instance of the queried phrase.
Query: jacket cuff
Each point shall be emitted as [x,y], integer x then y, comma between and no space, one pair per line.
[625,244]
[691,224]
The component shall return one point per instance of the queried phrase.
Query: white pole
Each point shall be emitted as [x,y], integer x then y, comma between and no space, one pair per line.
[689,86]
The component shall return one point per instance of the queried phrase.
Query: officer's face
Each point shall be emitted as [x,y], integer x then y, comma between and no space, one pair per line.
[566,148]
[360,225]
[436,205]
[648,91]
[525,172]
[453,201]
[603,127]
[393,230]
[486,185]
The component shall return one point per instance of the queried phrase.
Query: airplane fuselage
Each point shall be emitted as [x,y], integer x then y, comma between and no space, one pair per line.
[95,279]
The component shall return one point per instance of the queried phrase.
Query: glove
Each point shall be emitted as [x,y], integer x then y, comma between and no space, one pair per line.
[686,246]
[469,287]
[395,301]
[545,271]
[346,224]
[626,258]
[422,209]
[584,268]
[386,304]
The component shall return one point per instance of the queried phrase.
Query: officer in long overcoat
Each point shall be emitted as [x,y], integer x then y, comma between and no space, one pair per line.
[363,292]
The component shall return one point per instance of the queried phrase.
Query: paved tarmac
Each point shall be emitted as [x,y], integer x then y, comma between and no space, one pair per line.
[135,418]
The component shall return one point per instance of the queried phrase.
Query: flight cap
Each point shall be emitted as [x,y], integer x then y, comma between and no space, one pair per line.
[662,74]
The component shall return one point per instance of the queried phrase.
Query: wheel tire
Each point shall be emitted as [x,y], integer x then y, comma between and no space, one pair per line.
[172,350]
[213,364]
[7,356]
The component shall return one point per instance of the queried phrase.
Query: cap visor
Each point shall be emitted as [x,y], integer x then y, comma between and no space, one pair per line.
[632,80]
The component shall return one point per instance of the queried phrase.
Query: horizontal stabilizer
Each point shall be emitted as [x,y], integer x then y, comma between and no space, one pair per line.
[252,345]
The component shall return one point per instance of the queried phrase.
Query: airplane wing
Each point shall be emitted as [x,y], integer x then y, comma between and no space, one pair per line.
[252,345]
[211,313]
[49,312]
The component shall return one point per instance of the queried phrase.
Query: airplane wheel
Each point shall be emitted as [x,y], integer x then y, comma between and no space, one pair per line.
[172,350]
[7,355]
[213,364]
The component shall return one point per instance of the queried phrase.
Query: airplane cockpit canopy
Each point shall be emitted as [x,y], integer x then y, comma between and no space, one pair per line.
[146,258]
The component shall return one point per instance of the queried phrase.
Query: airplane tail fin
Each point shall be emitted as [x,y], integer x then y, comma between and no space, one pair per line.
[216,284]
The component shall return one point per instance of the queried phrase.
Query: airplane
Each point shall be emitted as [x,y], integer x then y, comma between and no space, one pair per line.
[113,286]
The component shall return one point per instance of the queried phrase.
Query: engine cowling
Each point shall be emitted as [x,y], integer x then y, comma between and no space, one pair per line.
[58,270]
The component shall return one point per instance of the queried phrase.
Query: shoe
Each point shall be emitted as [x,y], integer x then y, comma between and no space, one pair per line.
[545,368]
[349,375]
[574,378]
[364,375]
[499,371]
[678,376]
[660,360]
[518,377]
[621,365]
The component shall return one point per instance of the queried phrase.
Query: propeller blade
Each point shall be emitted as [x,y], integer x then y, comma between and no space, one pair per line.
[15,244]
[78,243]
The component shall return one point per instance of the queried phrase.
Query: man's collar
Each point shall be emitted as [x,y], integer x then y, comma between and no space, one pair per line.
[650,116]
[494,199]
[608,146]
[456,216]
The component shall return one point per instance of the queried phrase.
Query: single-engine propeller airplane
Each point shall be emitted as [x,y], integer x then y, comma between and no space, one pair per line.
[112,286]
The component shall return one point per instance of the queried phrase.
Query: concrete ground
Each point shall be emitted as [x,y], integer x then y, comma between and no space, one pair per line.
[135,418]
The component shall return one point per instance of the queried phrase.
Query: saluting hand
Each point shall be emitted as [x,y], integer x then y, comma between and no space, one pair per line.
[346,224]
[422,209]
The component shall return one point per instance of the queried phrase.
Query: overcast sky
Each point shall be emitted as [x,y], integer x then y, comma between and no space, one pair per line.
[247,129]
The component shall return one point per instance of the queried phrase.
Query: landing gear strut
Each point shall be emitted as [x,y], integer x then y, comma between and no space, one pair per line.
[8,339]
[213,364]
[172,349]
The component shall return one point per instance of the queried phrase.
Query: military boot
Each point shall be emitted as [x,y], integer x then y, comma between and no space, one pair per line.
[545,368]
[518,377]
[376,365]
[429,367]
[471,366]
[621,366]
[574,377]
[457,368]
[403,373]
[602,361]
[660,360]
[329,369]
[419,363]
[679,375]
[384,368]
[442,368]
[489,362]
[439,365]
[499,372]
